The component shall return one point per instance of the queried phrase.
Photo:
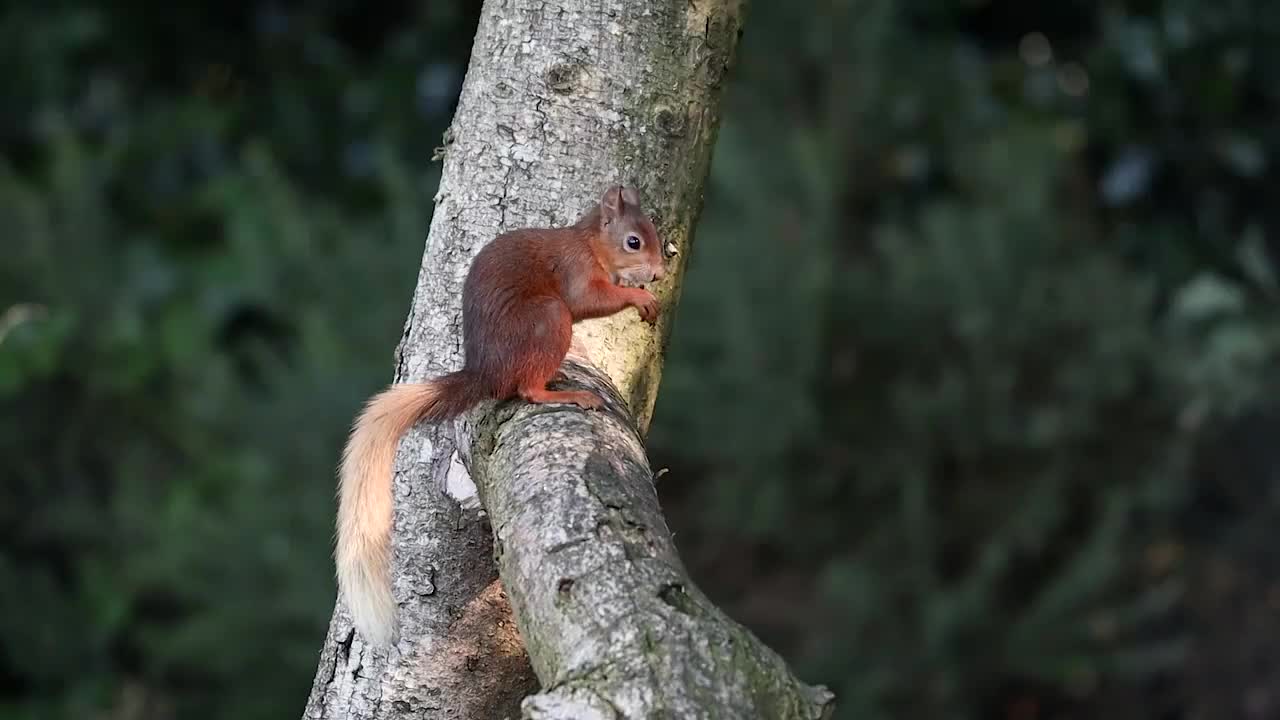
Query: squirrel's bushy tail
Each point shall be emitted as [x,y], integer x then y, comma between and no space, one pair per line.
[363,554]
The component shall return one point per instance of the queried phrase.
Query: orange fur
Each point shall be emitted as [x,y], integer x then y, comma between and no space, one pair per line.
[522,294]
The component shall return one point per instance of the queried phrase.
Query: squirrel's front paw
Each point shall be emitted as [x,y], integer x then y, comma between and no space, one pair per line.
[647,305]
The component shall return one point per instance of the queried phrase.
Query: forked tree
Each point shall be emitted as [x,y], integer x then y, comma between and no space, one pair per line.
[587,612]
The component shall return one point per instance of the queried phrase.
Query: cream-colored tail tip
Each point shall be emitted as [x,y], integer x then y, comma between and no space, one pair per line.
[366,591]
[373,614]
[377,635]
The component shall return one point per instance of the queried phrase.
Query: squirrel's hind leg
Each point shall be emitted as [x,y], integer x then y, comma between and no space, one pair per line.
[550,331]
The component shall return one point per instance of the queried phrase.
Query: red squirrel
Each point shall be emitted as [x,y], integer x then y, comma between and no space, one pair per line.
[522,294]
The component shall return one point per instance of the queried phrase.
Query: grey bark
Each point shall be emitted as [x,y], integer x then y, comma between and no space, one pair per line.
[559,101]
[613,623]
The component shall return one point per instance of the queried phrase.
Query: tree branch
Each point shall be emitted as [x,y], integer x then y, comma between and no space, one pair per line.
[613,623]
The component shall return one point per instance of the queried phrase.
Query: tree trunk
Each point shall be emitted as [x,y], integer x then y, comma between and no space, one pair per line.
[559,101]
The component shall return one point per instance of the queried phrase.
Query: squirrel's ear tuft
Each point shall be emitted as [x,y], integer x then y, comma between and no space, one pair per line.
[631,197]
[611,204]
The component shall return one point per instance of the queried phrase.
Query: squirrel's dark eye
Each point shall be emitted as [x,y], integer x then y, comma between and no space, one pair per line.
[633,243]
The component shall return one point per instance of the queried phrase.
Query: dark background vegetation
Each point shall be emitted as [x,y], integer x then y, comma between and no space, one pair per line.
[970,408]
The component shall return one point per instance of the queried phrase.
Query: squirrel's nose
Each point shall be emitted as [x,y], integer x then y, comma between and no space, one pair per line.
[659,272]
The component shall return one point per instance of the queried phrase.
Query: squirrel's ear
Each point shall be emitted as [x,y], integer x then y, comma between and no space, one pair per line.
[611,204]
[631,197]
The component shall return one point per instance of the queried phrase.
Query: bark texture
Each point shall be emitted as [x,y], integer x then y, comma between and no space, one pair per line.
[560,100]
[613,623]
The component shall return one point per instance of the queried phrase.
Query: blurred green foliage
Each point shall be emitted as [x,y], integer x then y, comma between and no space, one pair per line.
[982,291]
[973,282]
[207,265]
